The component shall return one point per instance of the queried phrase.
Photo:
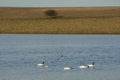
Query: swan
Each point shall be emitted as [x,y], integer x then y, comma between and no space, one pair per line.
[83,67]
[68,68]
[62,57]
[41,64]
[91,65]
[46,66]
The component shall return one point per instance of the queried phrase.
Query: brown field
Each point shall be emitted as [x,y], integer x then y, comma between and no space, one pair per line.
[84,20]
[12,12]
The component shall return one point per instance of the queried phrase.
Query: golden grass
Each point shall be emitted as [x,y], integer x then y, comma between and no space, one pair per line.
[17,12]
[75,20]
[83,25]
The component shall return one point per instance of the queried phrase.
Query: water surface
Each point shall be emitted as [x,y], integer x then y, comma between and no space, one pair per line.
[20,54]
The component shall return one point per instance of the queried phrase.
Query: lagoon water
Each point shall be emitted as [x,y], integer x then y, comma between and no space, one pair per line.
[20,54]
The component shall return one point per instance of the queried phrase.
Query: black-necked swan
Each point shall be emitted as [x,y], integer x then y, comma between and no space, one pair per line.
[62,57]
[91,65]
[68,68]
[46,66]
[41,64]
[83,67]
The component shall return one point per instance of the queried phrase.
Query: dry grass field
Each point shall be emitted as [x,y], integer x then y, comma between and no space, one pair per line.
[103,25]
[93,20]
[12,12]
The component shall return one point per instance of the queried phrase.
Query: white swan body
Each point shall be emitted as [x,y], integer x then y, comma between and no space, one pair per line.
[91,65]
[67,68]
[46,66]
[40,64]
[83,67]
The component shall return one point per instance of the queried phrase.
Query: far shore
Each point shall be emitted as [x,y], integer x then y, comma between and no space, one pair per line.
[79,20]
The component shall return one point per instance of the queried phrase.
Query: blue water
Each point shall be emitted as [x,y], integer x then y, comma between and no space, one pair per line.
[20,54]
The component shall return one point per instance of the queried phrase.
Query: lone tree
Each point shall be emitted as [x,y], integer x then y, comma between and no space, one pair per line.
[51,13]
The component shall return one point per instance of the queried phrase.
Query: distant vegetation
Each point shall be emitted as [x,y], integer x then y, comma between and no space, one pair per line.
[70,12]
[51,13]
[99,20]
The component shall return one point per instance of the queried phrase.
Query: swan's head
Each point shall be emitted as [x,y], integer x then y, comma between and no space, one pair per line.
[43,62]
[93,63]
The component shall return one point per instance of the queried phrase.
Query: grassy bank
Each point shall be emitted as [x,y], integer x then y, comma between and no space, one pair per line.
[81,25]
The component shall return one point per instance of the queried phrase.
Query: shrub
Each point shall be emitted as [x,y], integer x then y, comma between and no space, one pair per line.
[51,13]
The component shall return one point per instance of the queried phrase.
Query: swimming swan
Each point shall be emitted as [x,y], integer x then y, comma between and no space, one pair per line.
[83,67]
[68,68]
[46,66]
[41,64]
[91,65]
[62,57]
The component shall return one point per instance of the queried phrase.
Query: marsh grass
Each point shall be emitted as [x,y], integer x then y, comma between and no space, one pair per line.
[82,25]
